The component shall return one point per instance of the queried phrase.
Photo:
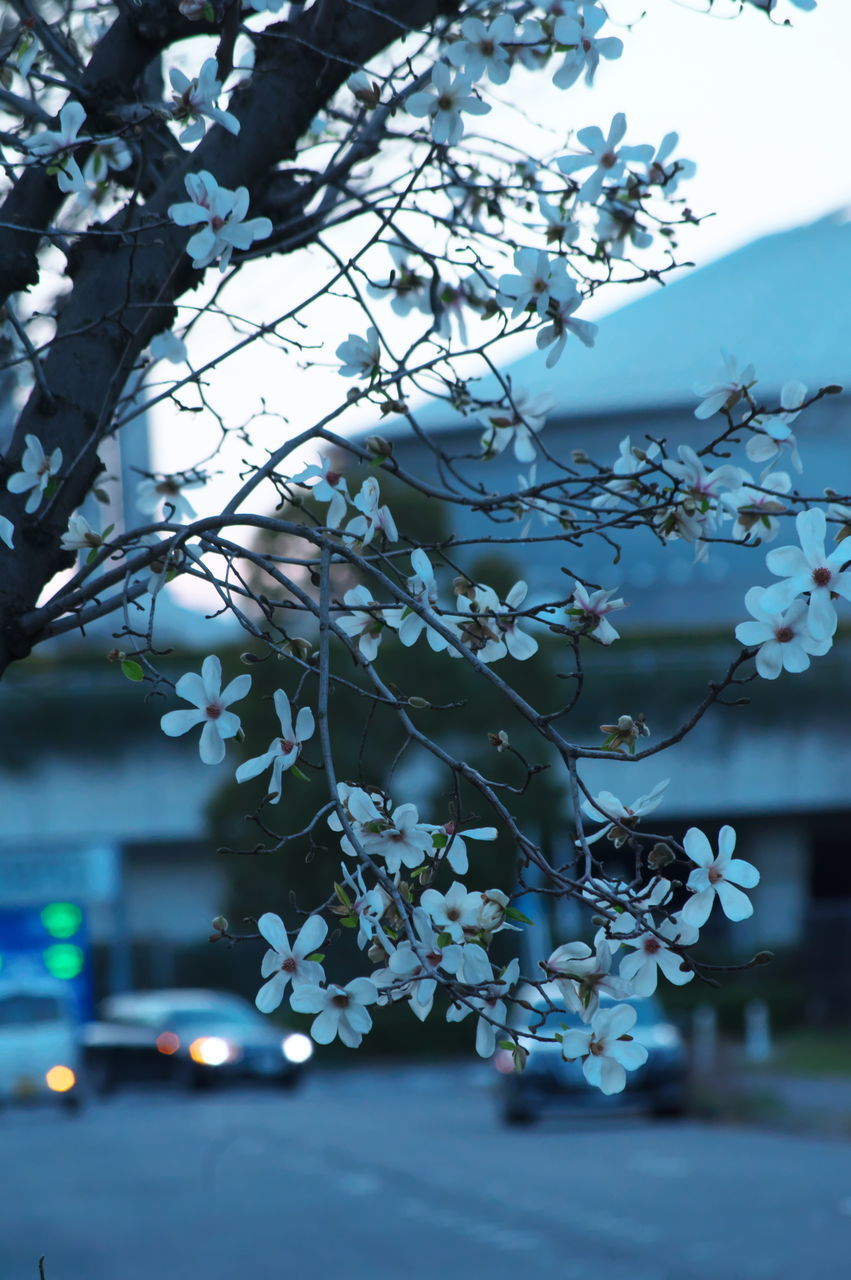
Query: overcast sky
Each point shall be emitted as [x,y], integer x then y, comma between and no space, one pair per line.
[763,110]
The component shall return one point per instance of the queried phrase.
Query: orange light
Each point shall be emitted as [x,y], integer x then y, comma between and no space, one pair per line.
[210,1051]
[60,1079]
[167,1042]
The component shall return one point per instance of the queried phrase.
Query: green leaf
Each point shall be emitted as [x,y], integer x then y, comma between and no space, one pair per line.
[506,1044]
[439,839]
[444,939]
[342,895]
[132,670]
[511,913]
[297,773]
[318,956]
[349,922]
[209,13]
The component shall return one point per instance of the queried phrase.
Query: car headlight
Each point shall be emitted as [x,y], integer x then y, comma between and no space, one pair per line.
[297,1048]
[212,1051]
[60,1079]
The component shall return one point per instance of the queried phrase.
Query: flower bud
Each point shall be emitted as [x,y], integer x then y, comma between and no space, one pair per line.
[491,913]
[661,855]
[220,924]
[380,446]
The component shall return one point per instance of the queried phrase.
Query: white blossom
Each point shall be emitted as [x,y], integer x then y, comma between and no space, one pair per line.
[621,819]
[652,952]
[57,146]
[809,569]
[452,912]
[755,512]
[491,1003]
[606,1048]
[37,470]
[630,460]
[152,494]
[727,390]
[283,963]
[518,422]
[7,532]
[220,216]
[211,702]
[361,357]
[482,49]
[330,487]
[539,278]
[196,99]
[373,518]
[416,965]
[366,622]
[283,751]
[444,100]
[453,842]
[583,979]
[167,346]
[721,875]
[578,27]
[784,639]
[423,588]
[561,322]
[80,536]
[341,1010]
[605,155]
[590,610]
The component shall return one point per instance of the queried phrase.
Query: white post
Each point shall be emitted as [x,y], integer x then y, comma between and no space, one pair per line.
[758,1046]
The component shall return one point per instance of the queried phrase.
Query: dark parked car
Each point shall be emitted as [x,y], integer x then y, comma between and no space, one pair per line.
[549,1085]
[191,1038]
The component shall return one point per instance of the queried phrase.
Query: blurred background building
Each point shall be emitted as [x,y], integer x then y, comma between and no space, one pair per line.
[94,796]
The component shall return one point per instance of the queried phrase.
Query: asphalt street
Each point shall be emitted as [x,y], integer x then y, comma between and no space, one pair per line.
[406,1174]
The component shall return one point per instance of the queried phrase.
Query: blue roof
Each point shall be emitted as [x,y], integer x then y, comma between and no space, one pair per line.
[781,303]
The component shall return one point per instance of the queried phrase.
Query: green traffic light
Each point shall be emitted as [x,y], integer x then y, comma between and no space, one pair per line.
[61,919]
[63,960]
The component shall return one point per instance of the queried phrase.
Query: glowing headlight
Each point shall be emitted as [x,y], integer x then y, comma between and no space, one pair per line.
[60,1079]
[297,1048]
[212,1051]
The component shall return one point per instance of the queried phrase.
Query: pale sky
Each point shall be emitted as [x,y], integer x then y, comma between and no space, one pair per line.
[762,110]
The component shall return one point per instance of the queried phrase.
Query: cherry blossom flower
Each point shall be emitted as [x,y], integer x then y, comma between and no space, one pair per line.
[518,422]
[494,905]
[578,27]
[341,1010]
[206,694]
[651,953]
[373,518]
[702,485]
[606,1048]
[766,448]
[452,912]
[784,640]
[37,470]
[152,494]
[331,487]
[792,398]
[727,391]
[491,1003]
[284,963]
[221,215]
[620,818]
[589,609]
[482,49]
[57,146]
[603,153]
[283,751]
[417,964]
[519,644]
[366,622]
[754,510]
[196,99]
[808,569]
[444,100]
[361,357]
[721,875]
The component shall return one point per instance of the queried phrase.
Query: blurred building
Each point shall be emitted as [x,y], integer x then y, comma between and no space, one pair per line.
[86,773]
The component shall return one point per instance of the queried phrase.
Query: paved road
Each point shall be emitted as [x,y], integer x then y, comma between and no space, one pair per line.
[404,1175]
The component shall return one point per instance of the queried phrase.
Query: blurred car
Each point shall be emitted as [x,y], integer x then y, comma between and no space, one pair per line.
[39,1044]
[549,1085]
[193,1038]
